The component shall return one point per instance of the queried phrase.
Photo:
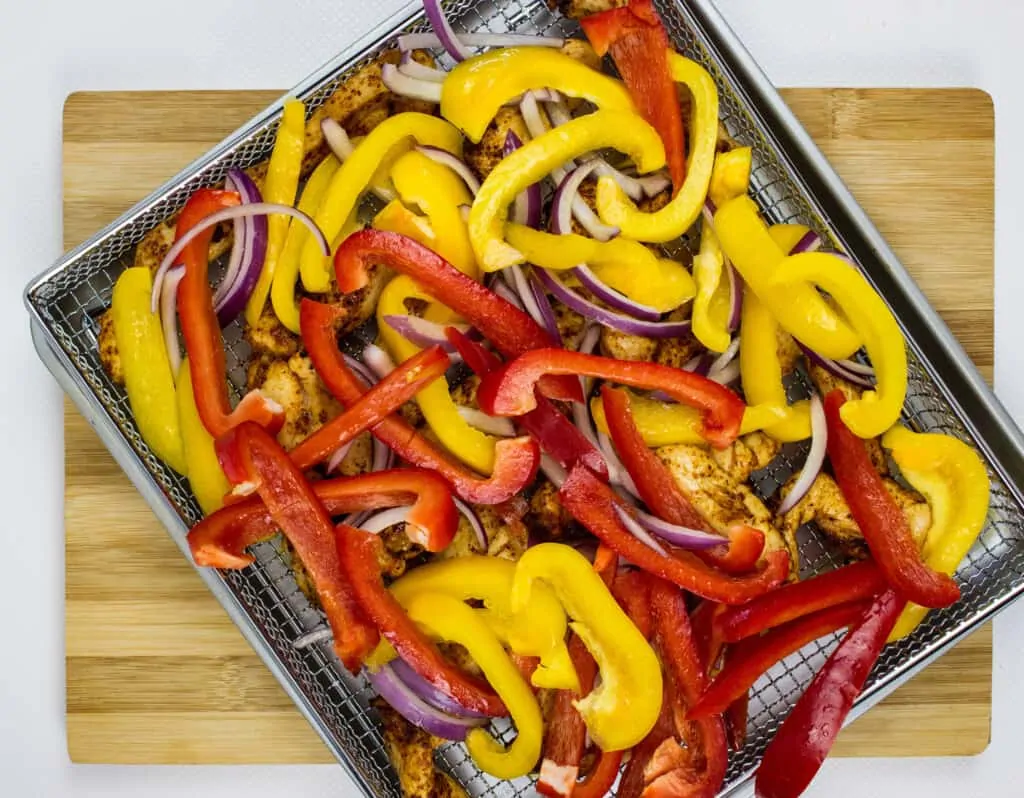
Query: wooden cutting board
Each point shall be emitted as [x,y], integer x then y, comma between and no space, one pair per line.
[156,673]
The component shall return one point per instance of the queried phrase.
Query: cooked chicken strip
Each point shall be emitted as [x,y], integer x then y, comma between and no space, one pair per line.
[746,455]
[826,382]
[547,517]
[109,356]
[485,155]
[412,753]
[295,386]
[505,540]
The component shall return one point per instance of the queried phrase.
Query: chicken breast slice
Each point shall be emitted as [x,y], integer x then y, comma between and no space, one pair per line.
[746,455]
[411,751]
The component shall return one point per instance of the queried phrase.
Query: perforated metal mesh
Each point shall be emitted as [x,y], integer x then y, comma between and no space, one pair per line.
[68,301]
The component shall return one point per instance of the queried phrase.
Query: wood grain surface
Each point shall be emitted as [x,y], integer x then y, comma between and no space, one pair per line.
[156,673]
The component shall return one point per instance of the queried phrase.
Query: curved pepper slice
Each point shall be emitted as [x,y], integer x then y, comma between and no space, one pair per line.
[730,176]
[279,186]
[510,330]
[679,215]
[712,303]
[360,554]
[451,620]
[593,503]
[875,411]
[798,308]
[952,477]
[509,392]
[220,539]
[148,379]
[475,89]
[201,330]
[881,521]
[627,266]
[515,460]
[470,445]
[620,711]
[538,630]
[205,476]
[354,176]
[286,276]
[292,504]
[618,130]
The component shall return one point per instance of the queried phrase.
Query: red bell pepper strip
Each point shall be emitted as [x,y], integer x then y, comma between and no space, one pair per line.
[515,460]
[201,330]
[633,782]
[598,782]
[747,661]
[555,433]
[882,523]
[632,589]
[509,392]
[805,738]
[526,666]
[294,507]
[511,330]
[854,582]
[592,503]
[220,539]
[360,558]
[381,400]
[736,716]
[740,556]
[710,643]
[639,46]
[606,563]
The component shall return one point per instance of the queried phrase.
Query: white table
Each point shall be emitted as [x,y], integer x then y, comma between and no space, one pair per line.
[51,48]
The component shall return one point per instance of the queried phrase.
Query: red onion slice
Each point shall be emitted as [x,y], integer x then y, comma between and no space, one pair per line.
[401,83]
[502,289]
[169,317]
[378,522]
[726,357]
[339,455]
[453,162]
[427,41]
[681,536]
[815,457]
[811,242]
[836,369]
[726,376]
[431,694]
[423,333]
[856,368]
[611,297]
[361,371]
[568,204]
[492,425]
[638,531]
[312,637]
[414,69]
[378,361]
[414,709]
[247,254]
[528,202]
[617,473]
[735,296]
[444,32]
[553,470]
[474,521]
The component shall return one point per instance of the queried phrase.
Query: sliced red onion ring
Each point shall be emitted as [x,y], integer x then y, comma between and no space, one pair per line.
[492,425]
[681,536]
[378,361]
[444,32]
[638,531]
[610,296]
[811,242]
[815,457]
[312,637]
[423,333]
[735,296]
[617,473]
[527,208]
[401,83]
[636,188]
[414,69]
[726,357]
[609,318]
[383,457]
[474,521]
[378,522]
[362,372]
[453,162]
[567,204]
[427,41]
[856,368]
[414,709]
[502,289]
[339,455]
[337,138]
[247,254]
[727,375]
[169,317]
[588,343]
[536,302]
[431,694]
[553,470]
[836,369]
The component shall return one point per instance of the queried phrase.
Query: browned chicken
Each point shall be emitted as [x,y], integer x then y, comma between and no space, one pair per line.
[484,156]
[412,753]
[507,540]
[547,518]
[294,385]
[577,9]
[676,352]
[110,358]
[746,455]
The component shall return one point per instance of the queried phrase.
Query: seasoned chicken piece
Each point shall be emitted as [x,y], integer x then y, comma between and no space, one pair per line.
[677,352]
[581,50]
[398,550]
[547,519]
[484,156]
[361,304]
[825,507]
[109,356]
[412,753]
[788,351]
[826,382]
[570,323]
[269,338]
[295,386]
[623,346]
[464,394]
[723,500]
[746,455]
[151,250]
[577,9]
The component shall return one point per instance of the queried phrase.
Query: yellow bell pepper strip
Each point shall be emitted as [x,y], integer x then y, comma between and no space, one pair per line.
[666,423]
[280,186]
[730,176]
[396,218]
[354,177]
[474,91]
[623,709]
[538,630]
[799,309]
[438,192]
[761,371]
[627,266]
[470,445]
[875,411]
[618,130]
[952,477]
[678,216]
[148,379]
[205,476]
[449,619]
[286,275]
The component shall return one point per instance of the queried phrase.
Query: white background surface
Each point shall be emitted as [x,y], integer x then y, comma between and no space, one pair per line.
[52,48]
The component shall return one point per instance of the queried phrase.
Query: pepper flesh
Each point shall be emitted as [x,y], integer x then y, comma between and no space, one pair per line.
[509,392]
[515,460]
[615,208]
[355,175]
[510,330]
[201,330]
[730,176]
[593,503]
[360,553]
[952,477]
[881,521]
[474,90]
[205,476]
[622,131]
[220,539]
[619,712]
[293,505]
[451,620]
[795,754]
[148,379]
[279,186]
[639,45]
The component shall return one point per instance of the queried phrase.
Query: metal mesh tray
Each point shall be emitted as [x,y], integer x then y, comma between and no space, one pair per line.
[791,182]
